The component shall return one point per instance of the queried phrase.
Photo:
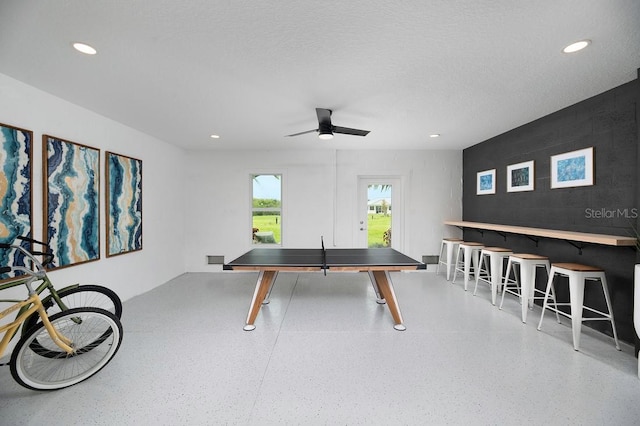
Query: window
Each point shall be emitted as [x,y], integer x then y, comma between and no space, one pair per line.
[266,209]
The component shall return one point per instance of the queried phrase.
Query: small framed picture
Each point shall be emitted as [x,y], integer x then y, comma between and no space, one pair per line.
[571,169]
[486,182]
[520,177]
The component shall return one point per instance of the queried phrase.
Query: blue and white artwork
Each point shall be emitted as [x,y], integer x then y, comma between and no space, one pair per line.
[124,204]
[572,169]
[72,201]
[486,182]
[520,177]
[15,192]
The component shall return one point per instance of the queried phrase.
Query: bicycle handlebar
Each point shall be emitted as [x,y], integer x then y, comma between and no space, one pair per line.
[31,240]
[47,256]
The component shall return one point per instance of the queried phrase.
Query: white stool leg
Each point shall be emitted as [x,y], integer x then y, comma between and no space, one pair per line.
[527,276]
[442,244]
[607,298]
[478,271]
[449,257]
[475,258]
[496,263]
[552,274]
[576,299]
[468,255]
[506,281]
[547,266]
[457,265]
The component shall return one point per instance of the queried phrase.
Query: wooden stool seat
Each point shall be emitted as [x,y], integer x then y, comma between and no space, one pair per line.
[578,267]
[528,256]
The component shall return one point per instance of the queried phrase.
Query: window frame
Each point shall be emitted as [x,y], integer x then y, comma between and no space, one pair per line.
[278,210]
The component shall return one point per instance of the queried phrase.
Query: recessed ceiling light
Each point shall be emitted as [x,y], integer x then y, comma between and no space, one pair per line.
[84,48]
[578,45]
[215,136]
[434,135]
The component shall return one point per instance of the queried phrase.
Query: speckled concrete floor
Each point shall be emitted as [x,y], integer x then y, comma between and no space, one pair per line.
[324,352]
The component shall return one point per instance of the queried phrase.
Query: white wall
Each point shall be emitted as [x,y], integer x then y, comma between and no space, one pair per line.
[163,182]
[319,198]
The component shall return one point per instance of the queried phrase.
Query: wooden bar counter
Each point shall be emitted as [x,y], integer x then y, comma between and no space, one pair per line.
[580,237]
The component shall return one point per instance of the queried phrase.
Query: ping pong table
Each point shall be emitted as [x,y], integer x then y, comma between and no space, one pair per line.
[377,262]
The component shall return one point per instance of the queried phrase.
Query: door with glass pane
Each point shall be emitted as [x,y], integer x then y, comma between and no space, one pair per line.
[379,212]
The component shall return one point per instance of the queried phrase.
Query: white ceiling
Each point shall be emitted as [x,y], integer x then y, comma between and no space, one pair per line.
[254,71]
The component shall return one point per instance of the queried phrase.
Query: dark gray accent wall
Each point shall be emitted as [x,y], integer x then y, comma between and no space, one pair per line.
[609,123]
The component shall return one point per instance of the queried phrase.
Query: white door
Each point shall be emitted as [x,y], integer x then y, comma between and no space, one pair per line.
[379,222]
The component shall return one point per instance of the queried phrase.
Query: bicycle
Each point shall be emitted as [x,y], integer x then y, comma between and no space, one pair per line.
[63,349]
[72,296]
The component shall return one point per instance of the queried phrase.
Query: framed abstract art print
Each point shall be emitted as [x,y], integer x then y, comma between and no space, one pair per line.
[520,177]
[124,204]
[16,197]
[486,182]
[573,168]
[71,201]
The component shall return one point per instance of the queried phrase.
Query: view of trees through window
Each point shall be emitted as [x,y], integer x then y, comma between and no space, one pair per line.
[267,209]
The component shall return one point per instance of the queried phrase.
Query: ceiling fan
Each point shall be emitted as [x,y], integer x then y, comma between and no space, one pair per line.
[326,129]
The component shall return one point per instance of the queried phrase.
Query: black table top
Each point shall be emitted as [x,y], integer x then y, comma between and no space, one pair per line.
[337,257]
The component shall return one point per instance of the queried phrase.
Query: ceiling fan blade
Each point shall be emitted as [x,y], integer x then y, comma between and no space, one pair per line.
[348,131]
[303,133]
[324,117]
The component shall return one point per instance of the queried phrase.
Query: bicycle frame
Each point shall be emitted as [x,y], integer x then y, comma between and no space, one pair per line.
[46,284]
[32,304]
[33,276]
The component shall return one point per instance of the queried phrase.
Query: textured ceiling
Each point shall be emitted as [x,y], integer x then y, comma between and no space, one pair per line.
[254,71]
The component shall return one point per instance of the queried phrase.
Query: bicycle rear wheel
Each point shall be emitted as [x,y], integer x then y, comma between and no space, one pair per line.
[82,296]
[93,296]
[96,335]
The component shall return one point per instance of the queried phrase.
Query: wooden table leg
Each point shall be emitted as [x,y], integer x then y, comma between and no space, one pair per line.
[265,279]
[384,284]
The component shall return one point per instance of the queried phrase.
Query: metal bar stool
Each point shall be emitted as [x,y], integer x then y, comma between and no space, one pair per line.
[578,276]
[447,248]
[528,265]
[492,270]
[467,258]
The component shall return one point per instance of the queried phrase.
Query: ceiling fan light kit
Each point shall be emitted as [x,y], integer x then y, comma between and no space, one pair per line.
[325,134]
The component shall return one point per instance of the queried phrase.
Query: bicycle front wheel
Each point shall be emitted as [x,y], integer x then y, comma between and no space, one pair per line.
[96,335]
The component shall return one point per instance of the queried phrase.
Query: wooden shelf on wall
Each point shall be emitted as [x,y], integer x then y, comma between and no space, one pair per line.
[582,237]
